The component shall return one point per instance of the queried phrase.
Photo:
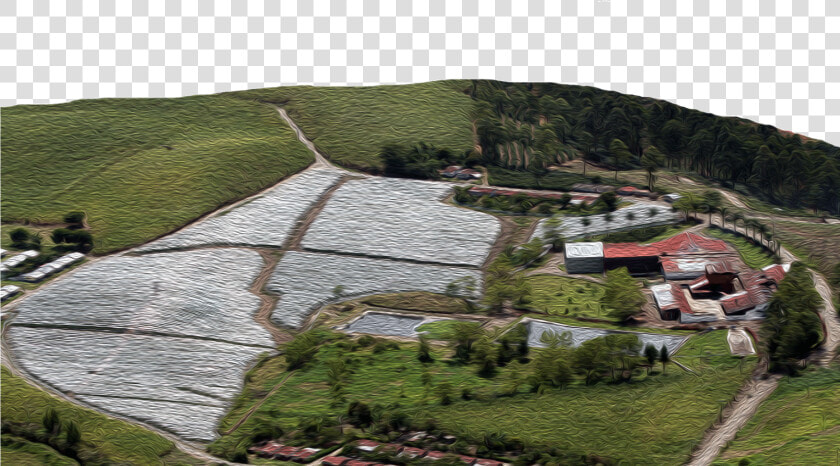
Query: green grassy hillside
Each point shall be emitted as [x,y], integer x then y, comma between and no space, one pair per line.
[104,440]
[798,424]
[140,168]
[351,124]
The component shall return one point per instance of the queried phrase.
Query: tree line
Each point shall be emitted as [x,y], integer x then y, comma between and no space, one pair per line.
[530,126]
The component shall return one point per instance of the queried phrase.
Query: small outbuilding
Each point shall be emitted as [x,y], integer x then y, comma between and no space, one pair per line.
[584,257]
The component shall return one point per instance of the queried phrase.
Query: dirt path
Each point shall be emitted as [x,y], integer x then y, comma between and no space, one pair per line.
[320,159]
[303,224]
[734,416]
[258,404]
[268,301]
[828,314]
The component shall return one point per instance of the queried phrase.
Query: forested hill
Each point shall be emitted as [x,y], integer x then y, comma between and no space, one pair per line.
[529,126]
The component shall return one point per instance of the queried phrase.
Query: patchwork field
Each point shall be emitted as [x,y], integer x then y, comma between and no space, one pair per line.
[798,424]
[162,338]
[140,168]
[402,219]
[264,221]
[352,124]
[307,280]
[639,215]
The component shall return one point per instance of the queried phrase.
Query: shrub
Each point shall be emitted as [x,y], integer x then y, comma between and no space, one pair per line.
[19,237]
[74,218]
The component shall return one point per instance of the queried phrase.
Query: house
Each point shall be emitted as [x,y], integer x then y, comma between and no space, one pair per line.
[286,452]
[669,300]
[486,462]
[304,455]
[367,445]
[671,198]
[412,452]
[435,455]
[584,257]
[391,448]
[335,460]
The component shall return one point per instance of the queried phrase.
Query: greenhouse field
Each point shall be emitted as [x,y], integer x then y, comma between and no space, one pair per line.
[639,215]
[264,221]
[402,219]
[307,280]
[181,384]
[202,294]
[536,328]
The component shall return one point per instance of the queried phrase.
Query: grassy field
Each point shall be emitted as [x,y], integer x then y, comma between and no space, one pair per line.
[117,441]
[351,124]
[140,168]
[816,243]
[752,254]
[798,424]
[560,319]
[551,294]
[19,451]
[668,413]
[439,329]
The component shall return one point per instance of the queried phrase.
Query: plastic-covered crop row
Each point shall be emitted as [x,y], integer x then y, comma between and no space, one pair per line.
[639,215]
[403,219]
[307,280]
[265,221]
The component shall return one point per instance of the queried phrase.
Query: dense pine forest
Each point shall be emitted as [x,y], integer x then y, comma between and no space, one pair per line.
[528,126]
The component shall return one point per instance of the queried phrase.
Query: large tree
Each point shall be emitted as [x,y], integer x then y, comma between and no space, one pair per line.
[623,297]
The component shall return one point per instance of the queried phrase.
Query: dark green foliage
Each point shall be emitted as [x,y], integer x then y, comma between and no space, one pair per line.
[359,414]
[423,354]
[301,349]
[623,296]
[792,327]
[444,392]
[626,131]
[420,161]
[51,422]
[651,354]
[609,200]
[74,436]
[366,340]
[663,357]
[75,218]
[19,236]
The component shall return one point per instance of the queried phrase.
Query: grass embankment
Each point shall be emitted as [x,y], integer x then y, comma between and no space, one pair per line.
[752,254]
[422,301]
[572,297]
[798,424]
[140,168]
[439,329]
[668,412]
[104,439]
[352,124]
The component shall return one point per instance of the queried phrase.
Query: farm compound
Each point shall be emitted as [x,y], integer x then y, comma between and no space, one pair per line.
[722,292]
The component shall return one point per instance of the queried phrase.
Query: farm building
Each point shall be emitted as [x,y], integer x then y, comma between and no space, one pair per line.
[335,460]
[634,191]
[8,291]
[720,293]
[457,171]
[584,257]
[680,257]
[3,252]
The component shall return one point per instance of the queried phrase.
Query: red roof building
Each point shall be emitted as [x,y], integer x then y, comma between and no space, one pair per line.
[335,460]
[360,463]
[486,462]
[367,445]
[304,455]
[412,452]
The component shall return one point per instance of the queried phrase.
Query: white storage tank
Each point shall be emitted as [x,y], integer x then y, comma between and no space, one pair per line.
[584,257]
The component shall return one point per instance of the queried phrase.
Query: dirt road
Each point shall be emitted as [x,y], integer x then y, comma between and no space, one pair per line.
[734,416]
[320,159]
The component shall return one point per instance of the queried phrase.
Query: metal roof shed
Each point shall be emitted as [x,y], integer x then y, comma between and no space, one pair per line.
[584,257]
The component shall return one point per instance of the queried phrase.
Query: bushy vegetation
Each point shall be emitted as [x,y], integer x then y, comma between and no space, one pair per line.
[418,161]
[557,181]
[792,327]
[643,235]
[36,423]
[140,168]
[623,296]
[530,126]
[797,424]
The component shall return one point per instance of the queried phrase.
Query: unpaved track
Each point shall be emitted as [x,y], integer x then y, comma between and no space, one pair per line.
[259,403]
[320,159]
[734,416]
[268,301]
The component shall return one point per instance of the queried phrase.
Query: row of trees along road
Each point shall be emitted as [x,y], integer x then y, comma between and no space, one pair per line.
[529,126]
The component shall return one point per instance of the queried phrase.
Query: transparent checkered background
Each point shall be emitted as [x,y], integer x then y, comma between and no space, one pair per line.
[774,63]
